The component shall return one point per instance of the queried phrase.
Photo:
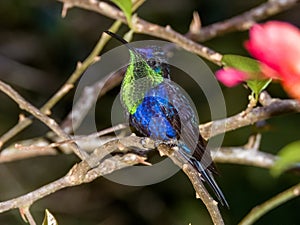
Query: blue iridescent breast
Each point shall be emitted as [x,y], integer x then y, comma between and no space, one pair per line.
[152,118]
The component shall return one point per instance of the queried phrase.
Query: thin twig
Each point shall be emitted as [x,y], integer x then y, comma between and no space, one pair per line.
[89,169]
[144,27]
[23,104]
[270,204]
[73,139]
[274,108]
[236,155]
[201,192]
[242,21]
[83,172]
[88,97]
[13,153]
[26,215]
[21,125]
[81,67]
[40,146]
[243,156]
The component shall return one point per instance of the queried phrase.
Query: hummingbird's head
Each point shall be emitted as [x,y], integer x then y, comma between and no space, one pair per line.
[155,56]
[147,69]
[156,59]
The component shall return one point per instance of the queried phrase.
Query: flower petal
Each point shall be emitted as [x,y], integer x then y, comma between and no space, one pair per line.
[269,72]
[231,77]
[276,44]
[292,88]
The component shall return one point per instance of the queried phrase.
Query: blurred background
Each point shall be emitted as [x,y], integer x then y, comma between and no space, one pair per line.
[39,50]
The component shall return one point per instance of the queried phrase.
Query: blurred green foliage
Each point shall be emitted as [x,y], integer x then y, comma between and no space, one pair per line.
[39,50]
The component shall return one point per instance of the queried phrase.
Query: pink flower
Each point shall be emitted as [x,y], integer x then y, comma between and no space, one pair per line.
[231,77]
[277,46]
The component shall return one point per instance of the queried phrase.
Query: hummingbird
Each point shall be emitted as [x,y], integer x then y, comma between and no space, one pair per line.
[158,108]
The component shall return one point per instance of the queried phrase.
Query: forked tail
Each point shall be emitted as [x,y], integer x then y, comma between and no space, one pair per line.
[207,176]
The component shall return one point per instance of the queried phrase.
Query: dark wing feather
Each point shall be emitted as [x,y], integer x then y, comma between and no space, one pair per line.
[136,127]
[187,123]
[180,113]
[173,118]
[188,132]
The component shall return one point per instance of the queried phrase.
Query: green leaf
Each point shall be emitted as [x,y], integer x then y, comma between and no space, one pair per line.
[246,64]
[241,63]
[126,7]
[49,219]
[288,156]
[257,86]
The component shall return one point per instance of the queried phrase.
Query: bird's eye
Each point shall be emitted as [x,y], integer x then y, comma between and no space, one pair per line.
[151,62]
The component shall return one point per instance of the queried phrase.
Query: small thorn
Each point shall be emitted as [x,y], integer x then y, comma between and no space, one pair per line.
[79,64]
[21,117]
[121,147]
[161,153]
[142,160]
[134,20]
[185,168]
[296,191]
[48,112]
[252,103]
[96,59]
[129,35]
[253,142]
[66,7]
[168,28]
[22,213]
[195,25]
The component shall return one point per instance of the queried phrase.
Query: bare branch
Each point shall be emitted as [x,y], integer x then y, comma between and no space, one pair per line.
[243,156]
[91,168]
[81,67]
[88,170]
[23,104]
[76,176]
[26,215]
[242,21]
[89,96]
[13,153]
[195,25]
[21,125]
[82,172]
[201,192]
[271,107]
[144,27]
[274,107]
